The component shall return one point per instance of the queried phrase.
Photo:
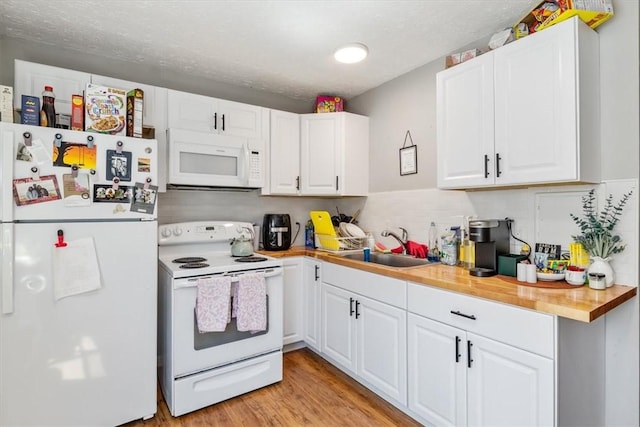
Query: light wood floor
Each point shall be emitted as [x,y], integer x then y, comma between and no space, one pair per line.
[312,393]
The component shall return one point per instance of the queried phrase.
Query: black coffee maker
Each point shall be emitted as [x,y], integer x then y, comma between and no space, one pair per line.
[491,237]
[276,232]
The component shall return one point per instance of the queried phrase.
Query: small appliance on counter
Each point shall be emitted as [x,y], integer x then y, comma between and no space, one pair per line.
[276,232]
[491,237]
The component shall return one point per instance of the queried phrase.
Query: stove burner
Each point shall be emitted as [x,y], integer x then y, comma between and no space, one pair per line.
[251,259]
[189,259]
[190,265]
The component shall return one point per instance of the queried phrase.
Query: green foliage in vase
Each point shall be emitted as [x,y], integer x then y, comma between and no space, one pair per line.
[596,228]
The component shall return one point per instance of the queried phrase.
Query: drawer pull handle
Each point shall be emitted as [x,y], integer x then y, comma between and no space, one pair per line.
[468,316]
[469,359]
[457,349]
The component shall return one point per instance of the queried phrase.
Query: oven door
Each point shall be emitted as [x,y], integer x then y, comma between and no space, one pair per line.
[194,351]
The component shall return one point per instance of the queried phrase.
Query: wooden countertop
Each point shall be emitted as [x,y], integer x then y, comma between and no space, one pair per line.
[579,303]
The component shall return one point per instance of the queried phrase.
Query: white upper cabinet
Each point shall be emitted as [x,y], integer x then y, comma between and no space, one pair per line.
[31,78]
[284,154]
[533,119]
[334,154]
[206,114]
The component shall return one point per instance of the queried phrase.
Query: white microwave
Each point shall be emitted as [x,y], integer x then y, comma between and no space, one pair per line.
[214,160]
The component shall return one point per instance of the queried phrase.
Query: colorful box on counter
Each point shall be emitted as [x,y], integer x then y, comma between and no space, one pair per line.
[329,104]
[6,104]
[105,110]
[548,13]
[135,106]
[30,110]
[77,112]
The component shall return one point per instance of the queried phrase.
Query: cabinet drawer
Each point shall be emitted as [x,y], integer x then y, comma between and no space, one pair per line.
[385,289]
[522,328]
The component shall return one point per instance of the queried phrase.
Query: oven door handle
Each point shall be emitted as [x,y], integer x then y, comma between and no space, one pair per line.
[193,282]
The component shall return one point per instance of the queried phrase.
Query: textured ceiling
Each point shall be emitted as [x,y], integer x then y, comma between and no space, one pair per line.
[280,46]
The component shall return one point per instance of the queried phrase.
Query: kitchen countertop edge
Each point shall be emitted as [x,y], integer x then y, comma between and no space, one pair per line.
[580,303]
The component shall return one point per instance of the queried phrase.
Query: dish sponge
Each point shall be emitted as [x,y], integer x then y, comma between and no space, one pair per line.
[382,248]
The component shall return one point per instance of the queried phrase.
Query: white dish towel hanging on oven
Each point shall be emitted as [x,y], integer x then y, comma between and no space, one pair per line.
[252,303]
[213,304]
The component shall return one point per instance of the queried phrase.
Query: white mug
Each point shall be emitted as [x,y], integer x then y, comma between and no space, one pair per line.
[532,277]
[521,272]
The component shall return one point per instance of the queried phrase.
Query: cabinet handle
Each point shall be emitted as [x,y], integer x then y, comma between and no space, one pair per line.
[457,349]
[223,122]
[486,166]
[469,359]
[336,182]
[351,300]
[317,272]
[298,182]
[468,316]
[215,121]
[357,312]
[498,158]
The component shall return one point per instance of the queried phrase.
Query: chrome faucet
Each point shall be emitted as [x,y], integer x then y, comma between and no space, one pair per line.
[402,241]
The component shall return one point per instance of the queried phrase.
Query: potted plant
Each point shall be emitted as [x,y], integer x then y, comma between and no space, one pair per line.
[596,232]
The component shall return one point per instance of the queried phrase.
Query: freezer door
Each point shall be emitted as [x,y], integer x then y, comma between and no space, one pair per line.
[86,359]
[73,175]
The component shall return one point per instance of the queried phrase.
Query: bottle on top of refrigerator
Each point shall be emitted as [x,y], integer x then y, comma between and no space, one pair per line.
[48,113]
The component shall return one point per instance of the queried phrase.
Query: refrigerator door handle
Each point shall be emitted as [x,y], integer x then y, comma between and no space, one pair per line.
[6,180]
[7,268]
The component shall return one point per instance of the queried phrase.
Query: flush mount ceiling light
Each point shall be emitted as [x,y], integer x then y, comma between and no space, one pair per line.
[351,53]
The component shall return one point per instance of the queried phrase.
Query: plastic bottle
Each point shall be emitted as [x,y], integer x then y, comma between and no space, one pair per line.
[48,113]
[449,250]
[433,254]
[309,235]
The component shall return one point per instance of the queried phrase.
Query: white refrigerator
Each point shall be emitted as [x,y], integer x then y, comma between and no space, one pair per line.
[78,296]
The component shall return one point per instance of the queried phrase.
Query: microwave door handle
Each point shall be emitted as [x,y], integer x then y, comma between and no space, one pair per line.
[246,165]
[7,268]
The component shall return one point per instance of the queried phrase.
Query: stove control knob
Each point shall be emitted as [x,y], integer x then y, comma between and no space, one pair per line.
[177,231]
[165,232]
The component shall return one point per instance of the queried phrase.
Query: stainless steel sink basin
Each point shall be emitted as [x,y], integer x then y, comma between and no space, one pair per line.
[390,260]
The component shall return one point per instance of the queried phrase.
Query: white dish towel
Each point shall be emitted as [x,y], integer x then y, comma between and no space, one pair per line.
[213,304]
[252,303]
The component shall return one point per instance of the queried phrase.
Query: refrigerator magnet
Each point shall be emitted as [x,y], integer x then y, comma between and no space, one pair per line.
[144,165]
[69,154]
[106,193]
[76,190]
[28,191]
[118,165]
[144,199]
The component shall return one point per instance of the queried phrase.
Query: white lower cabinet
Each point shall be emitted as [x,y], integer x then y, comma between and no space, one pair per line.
[311,297]
[461,374]
[364,336]
[292,327]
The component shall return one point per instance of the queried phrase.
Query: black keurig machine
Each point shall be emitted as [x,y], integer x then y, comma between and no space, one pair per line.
[276,232]
[491,237]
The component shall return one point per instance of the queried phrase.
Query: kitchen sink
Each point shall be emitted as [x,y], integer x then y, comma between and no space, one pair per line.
[390,260]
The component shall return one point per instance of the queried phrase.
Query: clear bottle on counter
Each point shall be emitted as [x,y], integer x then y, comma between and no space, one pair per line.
[48,112]
[433,253]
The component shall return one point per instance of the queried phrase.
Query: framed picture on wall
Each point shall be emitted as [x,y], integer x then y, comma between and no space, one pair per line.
[409,160]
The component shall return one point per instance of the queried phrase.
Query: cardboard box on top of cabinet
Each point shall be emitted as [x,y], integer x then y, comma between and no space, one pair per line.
[592,12]
[6,104]
[329,104]
[105,110]
[457,58]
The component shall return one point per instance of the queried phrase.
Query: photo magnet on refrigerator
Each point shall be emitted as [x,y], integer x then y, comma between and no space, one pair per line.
[144,198]
[119,165]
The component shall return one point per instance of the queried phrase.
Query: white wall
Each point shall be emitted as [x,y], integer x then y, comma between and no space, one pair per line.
[408,102]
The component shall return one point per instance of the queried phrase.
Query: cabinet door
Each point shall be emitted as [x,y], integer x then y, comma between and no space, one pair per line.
[292,327]
[338,330]
[437,372]
[319,141]
[536,107]
[284,153]
[464,117]
[382,347]
[507,386]
[31,78]
[191,111]
[239,119]
[312,295]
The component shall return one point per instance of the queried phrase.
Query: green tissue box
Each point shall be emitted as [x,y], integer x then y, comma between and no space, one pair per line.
[507,264]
